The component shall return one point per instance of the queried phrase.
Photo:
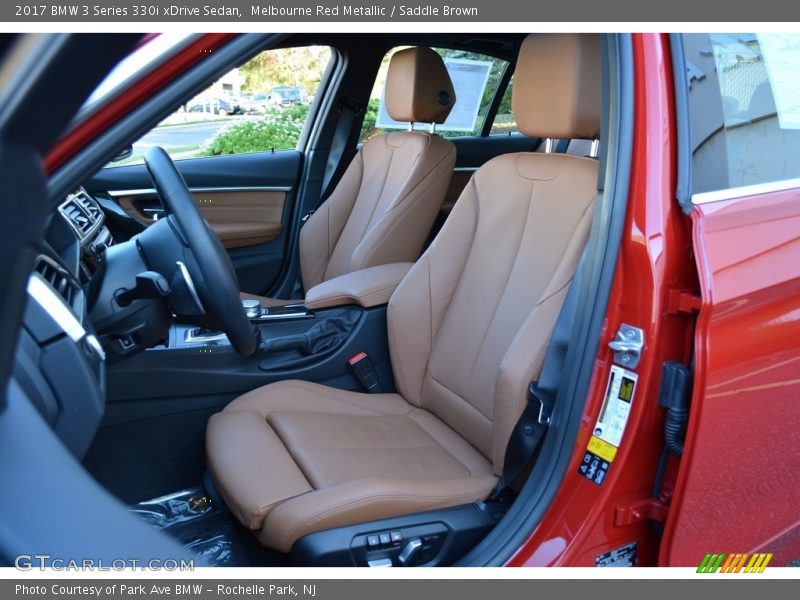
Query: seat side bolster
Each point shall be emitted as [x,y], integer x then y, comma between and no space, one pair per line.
[420,302]
[398,233]
[250,465]
[523,359]
[321,233]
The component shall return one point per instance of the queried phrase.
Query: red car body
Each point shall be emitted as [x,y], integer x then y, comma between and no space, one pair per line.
[721,282]
[721,287]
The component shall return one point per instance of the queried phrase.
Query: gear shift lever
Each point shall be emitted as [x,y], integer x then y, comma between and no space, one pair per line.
[252,308]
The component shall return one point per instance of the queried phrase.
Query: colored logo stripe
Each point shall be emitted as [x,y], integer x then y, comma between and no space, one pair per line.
[735,563]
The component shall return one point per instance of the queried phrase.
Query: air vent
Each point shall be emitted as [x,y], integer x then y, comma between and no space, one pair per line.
[82,212]
[58,279]
[89,206]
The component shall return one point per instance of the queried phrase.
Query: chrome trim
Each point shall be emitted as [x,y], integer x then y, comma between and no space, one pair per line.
[190,285]
[55,306]
[94,344]
[465,169]
[192,337]
[745,191]
[203,190]
[302,314]
[95,224]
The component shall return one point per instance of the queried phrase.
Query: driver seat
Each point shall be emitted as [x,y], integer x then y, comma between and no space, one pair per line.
[385,204]
[468,329]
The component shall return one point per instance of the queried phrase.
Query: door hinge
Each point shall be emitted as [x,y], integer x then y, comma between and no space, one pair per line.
[682,301]
[627,346]
[647,509]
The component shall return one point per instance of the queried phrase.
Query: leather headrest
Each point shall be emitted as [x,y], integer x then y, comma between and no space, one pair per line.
[418,87]
[557,86]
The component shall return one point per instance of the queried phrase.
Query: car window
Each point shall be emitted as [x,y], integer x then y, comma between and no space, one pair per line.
[262,105]
[475,77]
[504,122]
[744,105]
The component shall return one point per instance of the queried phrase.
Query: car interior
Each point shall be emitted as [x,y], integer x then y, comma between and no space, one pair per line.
[324,356]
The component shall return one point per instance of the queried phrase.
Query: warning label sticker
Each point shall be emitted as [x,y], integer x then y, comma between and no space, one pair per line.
[607,433]
[602,449]
[624,556]
[616,407]
[594,468]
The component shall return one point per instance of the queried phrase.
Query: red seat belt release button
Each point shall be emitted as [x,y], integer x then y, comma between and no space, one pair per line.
[364,371]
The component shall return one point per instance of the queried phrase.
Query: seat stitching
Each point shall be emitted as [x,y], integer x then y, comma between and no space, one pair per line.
[294,458]
[380,194]
[508,279]
[427,373]
[400,205]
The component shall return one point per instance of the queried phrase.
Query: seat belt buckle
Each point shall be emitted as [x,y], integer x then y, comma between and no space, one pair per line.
[365,372]
[545,407]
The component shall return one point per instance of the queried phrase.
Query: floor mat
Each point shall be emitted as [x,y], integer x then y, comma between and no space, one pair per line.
[199,524]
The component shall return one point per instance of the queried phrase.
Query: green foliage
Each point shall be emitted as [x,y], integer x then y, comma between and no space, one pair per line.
[298,67]
[279,129]
[370,116]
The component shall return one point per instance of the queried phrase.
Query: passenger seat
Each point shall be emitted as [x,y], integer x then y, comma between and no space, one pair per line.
[386,202]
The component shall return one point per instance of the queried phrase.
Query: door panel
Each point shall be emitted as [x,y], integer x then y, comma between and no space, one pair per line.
[737,490]
[240,218]
[474,151]
[247,199]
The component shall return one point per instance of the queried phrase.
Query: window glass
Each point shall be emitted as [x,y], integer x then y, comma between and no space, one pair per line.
[744,102]
[504,123]
[259,106]
[475,78]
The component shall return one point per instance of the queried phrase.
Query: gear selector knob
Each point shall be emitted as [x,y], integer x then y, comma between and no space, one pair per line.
[252,308]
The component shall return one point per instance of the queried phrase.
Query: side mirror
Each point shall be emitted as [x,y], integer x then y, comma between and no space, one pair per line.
[126,152]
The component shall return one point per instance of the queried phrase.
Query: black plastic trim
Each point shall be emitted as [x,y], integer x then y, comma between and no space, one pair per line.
[683,127]
[444,535]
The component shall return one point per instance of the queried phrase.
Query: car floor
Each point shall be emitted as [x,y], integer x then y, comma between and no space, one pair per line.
[150,457]
[208,529]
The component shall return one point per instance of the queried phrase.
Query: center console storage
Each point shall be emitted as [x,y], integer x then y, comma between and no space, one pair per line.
[298,344]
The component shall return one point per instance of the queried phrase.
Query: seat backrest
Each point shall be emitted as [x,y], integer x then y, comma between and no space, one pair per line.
[386,202]
[470,323]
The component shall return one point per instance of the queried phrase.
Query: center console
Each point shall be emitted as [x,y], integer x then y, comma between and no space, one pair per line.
[295,343]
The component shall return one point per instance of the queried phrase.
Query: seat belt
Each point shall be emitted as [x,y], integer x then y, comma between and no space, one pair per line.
[528,434]
[348,110]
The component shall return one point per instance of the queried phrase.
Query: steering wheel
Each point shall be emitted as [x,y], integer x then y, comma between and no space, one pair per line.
[208,264]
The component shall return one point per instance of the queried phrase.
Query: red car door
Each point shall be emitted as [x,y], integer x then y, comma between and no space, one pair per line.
[737,488]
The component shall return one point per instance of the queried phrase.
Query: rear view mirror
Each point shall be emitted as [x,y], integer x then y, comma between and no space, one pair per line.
[124,153]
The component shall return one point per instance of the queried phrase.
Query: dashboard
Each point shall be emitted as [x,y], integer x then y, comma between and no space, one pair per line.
[60,363]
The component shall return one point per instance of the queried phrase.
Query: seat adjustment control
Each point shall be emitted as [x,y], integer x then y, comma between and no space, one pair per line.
[380,562]
[410,552]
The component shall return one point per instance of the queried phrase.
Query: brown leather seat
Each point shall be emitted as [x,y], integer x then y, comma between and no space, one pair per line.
[468,328]
[386,202]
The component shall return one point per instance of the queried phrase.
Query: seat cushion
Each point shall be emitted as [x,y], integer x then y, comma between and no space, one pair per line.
[293,457]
